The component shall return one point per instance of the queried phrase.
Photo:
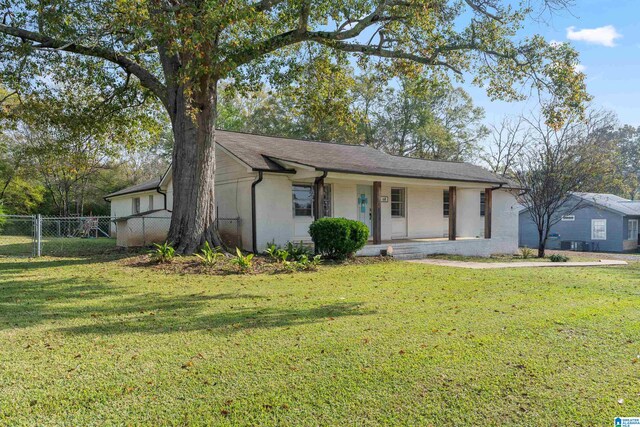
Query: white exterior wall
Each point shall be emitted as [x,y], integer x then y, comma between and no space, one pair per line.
[425,217]
[233,196]
[274,212]
[344,199]
[504,222]
[469,223]
[123,205]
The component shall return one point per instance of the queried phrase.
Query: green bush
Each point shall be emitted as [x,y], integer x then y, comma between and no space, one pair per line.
[338,238]
[558,258]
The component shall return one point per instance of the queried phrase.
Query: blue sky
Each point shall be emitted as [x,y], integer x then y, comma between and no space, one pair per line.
[611,64]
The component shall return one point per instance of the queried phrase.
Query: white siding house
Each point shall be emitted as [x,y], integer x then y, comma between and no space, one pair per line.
[275,187]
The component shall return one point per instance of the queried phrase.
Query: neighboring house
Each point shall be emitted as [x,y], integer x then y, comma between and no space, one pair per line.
[590,222]
[275,187]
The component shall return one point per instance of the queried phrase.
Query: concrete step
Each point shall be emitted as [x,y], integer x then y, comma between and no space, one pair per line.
[410,256]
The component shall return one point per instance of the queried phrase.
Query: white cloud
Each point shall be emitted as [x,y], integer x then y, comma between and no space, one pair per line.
[605,36]
[580,68]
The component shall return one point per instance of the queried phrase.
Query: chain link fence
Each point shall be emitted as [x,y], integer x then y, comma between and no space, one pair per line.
[36,235]
[141,230]
[18,234]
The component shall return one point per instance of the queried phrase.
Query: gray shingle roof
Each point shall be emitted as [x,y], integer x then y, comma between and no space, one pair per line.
[612,202]
[262,153]
[145,186]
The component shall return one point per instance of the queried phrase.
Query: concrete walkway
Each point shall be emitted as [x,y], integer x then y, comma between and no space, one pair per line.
[519,264]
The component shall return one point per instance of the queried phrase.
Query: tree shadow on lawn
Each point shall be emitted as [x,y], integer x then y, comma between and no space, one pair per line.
[182,317]
[105,310]
[21,265]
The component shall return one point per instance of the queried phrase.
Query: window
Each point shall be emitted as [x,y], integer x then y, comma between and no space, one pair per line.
[135,205]
[150,202]
[568,218]
[445,203]
[397,202]
[326,202]
[633,229]
[598,229]
[483,203]
[302,200]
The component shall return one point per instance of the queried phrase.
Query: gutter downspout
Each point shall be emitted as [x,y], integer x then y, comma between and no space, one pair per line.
[164,195]
[254,239]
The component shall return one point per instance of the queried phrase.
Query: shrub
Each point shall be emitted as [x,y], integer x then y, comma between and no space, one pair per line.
[558,258]
[338,238]
[244,262]
[526,252]
[163,253]
[209,256]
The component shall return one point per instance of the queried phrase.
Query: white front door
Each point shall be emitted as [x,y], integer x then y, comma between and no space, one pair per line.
[365,213]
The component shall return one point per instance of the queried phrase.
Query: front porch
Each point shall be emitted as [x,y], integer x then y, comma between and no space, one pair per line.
[416,217]
[407,211]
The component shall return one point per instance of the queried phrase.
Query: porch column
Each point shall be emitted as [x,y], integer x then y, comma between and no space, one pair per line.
[377,213]
[452,212]
[488,202]
[318,197]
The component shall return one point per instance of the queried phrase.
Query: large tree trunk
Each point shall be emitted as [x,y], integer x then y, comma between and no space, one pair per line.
[193,217]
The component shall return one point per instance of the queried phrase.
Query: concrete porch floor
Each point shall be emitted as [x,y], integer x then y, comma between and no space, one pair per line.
[416,248]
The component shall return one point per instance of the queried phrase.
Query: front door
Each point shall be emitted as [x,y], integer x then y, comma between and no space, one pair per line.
[365,212]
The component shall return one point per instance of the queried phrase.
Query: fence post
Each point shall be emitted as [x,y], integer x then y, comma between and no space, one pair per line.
[38,235]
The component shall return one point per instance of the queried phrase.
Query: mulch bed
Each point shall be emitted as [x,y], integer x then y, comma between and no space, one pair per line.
[260,265]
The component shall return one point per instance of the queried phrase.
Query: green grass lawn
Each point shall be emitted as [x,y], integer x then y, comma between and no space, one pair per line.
[55,246]
[97,342]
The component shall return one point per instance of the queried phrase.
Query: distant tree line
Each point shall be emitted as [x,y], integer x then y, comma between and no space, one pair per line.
[60,155]
[326,98]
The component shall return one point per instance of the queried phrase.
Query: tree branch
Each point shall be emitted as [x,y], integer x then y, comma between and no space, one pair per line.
[384,53]
[147,79]
[483,11]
